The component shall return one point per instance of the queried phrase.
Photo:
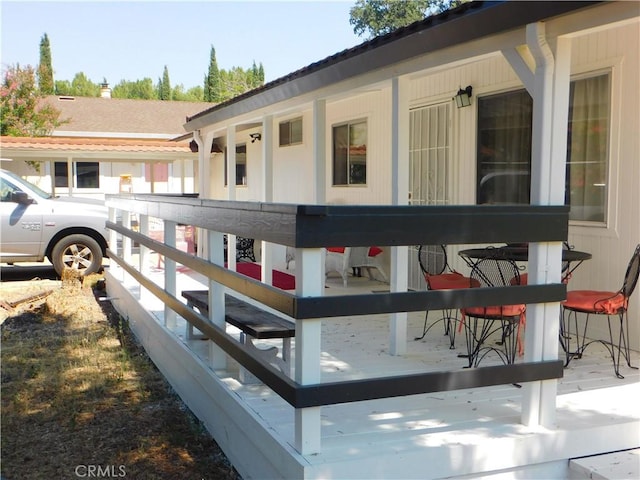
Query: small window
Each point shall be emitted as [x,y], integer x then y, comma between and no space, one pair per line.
[291,132]
[61,174]
[241,165]
[86,174]
[350,154]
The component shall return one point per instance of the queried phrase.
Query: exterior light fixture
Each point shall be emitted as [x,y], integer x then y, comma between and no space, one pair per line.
[255,136]
[463,97]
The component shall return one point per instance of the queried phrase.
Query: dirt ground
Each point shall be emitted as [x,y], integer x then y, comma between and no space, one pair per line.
[80,397]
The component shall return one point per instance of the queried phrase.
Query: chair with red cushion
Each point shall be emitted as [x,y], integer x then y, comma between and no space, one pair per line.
[440,276]
[482,322]
[605,304]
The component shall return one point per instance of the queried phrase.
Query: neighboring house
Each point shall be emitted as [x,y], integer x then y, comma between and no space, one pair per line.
[378,124]
[106,145]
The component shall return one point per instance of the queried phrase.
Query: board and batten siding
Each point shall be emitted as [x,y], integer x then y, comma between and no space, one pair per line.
[614,50]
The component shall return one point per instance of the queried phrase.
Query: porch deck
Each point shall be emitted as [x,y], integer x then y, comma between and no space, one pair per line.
[476,433]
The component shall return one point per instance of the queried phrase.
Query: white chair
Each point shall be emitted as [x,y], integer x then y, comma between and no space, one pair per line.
[342,260]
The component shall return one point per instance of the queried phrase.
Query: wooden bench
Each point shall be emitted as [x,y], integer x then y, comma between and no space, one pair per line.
[253,322]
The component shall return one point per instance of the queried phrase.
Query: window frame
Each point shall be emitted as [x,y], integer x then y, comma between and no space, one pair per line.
[607,160]
[289,141]
[76,180]
[241,165]
[349,174]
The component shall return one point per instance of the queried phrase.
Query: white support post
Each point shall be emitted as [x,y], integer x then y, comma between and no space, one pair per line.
[169,272]
[217,356]
[143,251]
[144,257]
[113,241]
[204,180]
[548,160]
[399,196]
[113,235]
[127,245]
[231,162]
[266,250]
[320,150]
[309,283]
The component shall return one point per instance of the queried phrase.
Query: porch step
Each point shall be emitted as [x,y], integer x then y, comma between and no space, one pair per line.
[608,466]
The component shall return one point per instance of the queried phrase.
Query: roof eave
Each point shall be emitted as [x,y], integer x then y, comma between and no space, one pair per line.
[459,26]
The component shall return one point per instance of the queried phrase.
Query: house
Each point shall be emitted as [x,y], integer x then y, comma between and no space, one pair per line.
[377,124]
[106,145]
[344,149]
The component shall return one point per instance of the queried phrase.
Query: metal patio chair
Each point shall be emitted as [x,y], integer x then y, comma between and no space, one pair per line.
[605,304]
[439,275]
[480,322]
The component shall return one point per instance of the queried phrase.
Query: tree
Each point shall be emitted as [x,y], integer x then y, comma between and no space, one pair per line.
[139,89]
[45,70]
[379,17]
[212,88]
[22,111]
[81,86]
[164,90]
[194,94]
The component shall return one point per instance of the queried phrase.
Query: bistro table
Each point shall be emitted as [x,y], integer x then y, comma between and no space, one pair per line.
[520,253]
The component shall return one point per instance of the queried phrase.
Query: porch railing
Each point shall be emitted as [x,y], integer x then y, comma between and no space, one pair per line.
[308,228]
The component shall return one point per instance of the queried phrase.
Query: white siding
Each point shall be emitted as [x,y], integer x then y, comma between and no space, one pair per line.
[611,246]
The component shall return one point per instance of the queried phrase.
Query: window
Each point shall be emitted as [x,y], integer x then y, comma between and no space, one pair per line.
[350,154]
[241,165]
[87,174]
[291,132]
[504,148]
[6,191]
[588,149]
[61,174]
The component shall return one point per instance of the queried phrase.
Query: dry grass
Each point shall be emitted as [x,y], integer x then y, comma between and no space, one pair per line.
[79,395]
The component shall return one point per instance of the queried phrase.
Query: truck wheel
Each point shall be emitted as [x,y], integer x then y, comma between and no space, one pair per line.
[78,252]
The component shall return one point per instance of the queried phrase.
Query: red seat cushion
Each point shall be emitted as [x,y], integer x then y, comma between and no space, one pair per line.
[449,281]
[495,311]
[336,249]
[608,303]
[374,251]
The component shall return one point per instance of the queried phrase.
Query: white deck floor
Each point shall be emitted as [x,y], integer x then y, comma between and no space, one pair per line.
[476,430]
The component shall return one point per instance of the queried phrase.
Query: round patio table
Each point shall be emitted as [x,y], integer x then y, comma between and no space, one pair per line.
[518,254]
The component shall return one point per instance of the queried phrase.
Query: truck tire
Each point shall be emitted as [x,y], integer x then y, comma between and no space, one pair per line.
[78,252]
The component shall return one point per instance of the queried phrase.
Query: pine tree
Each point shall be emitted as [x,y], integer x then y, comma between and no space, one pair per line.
[165,86]
[212,87]
[45,70]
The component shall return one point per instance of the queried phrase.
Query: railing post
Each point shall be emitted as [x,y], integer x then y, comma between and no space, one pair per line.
[126,241]
[309,282]
[143,251]
[215,247]
[169,272]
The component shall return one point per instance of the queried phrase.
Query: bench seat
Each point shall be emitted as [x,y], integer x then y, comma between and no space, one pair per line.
[253,322]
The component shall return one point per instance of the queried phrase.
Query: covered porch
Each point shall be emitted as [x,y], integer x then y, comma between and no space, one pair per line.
[370,410]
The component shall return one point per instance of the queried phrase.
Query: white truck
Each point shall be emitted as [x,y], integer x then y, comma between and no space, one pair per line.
[34,225]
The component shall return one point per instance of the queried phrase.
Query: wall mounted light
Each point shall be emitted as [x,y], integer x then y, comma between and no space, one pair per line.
[255,136]
[463,97]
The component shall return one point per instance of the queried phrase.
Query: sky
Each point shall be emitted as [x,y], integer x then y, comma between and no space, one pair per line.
[125,40]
